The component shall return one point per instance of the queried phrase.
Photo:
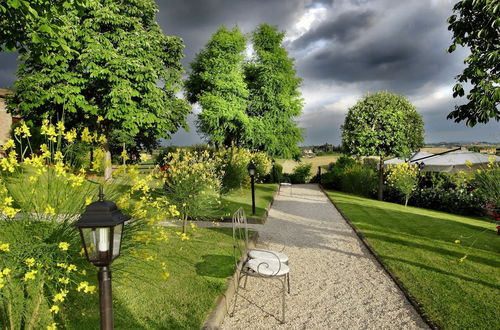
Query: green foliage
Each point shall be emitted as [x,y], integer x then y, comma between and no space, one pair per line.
[274,99]
[276,174]
[476,25]
[193,183]
[119,76]
[216,83]
[234,165]
[487,182]
[358,179]
[403,177]
[301,174]
[382,124]
[34,22]
[332,178]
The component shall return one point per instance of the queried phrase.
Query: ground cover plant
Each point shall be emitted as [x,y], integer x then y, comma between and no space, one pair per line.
[449,263]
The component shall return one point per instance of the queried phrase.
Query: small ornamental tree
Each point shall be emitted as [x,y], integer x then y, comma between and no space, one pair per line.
[404,177]
[192,183]
[382,124]
[476,25]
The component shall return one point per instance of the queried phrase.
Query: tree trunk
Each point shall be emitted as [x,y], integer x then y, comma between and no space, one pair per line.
[108,169]
[381,179]
[406,201]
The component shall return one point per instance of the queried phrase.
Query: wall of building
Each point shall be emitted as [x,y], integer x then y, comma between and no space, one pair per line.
[5,118]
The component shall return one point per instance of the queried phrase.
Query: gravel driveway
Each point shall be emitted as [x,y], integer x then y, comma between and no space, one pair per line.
[335,282]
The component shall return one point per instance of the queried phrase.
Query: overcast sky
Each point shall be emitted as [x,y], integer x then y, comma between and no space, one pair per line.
[343,49]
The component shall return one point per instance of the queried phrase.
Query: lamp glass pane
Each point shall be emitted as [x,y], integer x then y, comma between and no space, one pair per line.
[90,242]
[117,238]
[251,171]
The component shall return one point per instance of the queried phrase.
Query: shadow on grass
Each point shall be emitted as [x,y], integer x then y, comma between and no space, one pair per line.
[214,265]
[440,271]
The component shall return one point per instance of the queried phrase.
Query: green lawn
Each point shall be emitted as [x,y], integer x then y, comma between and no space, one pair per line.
[243,198]
[418,246]
[142,299]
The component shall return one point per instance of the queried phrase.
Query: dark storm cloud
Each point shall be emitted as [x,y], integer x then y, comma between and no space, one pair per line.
[195,21]
[399,46]
[8,66]
[347,26]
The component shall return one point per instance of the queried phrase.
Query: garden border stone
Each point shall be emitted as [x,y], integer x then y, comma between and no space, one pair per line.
[223,301]
[361,236]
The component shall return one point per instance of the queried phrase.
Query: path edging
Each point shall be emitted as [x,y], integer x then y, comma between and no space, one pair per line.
[397,281]
[223,301]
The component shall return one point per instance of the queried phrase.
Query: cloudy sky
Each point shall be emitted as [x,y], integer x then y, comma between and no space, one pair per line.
[343,49]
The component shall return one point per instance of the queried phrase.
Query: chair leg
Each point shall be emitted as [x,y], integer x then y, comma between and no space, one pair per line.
[236,294]
[245,284]
[288,280]
[283,302]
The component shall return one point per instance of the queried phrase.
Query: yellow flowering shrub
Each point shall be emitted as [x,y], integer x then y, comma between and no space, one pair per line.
[403,177]
[192,183]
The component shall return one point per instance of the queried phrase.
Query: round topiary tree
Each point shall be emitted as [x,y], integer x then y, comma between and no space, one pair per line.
[382,124]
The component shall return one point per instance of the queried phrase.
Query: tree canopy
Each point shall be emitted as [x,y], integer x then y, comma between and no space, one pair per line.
[34,21]
[216,83]
[382,124]
[121,74]
[253,102]
[476,25]
[274,100]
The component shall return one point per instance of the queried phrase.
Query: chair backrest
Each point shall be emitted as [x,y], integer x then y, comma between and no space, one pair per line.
[240,234]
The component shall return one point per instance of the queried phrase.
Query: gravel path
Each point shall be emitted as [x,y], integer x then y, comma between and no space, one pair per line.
[335,282]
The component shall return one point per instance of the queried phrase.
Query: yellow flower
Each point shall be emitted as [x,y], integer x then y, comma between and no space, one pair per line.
[60,296]
[82,286]
[64,280]
[53,326]
[58,156]
[70,136]
[463,258]
[90,289]
[82,252]
[88,200]
[457,241]
[62,265]
[85,136]
[70,268]
[30,275]
[5,247]
[50,210]
[64,246]
[54,309]
[6,271]
[10,211]
[8,144]
[30,262]
[165,275]
[100,118]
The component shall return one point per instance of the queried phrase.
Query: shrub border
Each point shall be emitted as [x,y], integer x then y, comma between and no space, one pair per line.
[406,293]
[223,301]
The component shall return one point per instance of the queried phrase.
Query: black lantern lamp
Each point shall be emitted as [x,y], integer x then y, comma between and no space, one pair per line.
[251,171]
[101,230]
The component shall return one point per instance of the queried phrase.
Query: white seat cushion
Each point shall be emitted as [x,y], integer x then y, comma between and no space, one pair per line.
[267,267]
[265,255]
[285,184]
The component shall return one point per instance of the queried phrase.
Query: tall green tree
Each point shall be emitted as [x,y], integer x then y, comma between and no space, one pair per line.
[120,75]
[33,21]
[382,124]
[216,83]
[274,100]
[476,25]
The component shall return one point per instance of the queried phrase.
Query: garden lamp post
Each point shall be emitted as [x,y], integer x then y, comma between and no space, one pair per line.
[101,229]
[251,171]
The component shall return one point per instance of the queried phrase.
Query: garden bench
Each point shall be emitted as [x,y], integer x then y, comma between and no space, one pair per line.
[266,264]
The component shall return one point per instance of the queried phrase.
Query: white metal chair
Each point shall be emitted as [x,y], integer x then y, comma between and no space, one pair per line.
[257,263]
